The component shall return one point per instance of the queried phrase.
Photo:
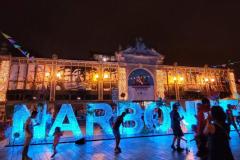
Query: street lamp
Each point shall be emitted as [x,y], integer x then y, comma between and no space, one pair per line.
[106,75]
[104,59]
[95,77]
[47,74]
[59,75]
[181,79]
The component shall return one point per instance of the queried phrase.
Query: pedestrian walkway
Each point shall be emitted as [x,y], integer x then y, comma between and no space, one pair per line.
[148,148]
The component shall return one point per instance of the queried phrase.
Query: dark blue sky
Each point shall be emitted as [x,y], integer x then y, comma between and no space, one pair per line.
[192,32]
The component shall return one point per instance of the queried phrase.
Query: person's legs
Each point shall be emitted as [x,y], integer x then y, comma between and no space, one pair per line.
[117,142]
[54,150]
[229,129]
[173,142]
[26,147]
[202,151]
[179,135]
[25,151]
[178,142]
[236,128]
[182,138]
[117,139]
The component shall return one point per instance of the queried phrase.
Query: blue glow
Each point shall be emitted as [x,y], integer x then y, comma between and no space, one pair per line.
[102,120]
[40,130]
[224,102]
[151,122]
[134,116]
[166,119]
[149,119]
[133,121]
[21,114]
[66,111]
[189,114]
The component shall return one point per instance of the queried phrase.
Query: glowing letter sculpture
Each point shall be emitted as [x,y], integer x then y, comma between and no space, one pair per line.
[40,130]
[66,111]
[102,120]
[150,121]
[21,114]
[189,114]
[166,124]
[135,116]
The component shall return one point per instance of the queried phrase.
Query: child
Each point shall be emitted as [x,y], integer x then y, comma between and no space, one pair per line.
[57,135]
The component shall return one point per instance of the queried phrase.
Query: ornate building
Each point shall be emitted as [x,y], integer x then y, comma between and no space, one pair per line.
[136,73]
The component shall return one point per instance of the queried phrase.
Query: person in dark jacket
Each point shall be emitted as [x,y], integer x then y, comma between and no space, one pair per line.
[175,124]
[203,110]
[217,131]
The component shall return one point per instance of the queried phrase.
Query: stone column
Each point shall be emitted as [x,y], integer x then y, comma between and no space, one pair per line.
[122,83]
[5,63]
[232,85]
[160,79]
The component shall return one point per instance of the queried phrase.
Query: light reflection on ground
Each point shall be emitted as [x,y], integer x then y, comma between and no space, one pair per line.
[149,148]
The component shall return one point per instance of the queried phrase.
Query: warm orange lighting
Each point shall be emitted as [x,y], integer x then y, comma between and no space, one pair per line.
[181,78]
[47,74]
[212,80]
[95,77]
[106,75]
[104,59]
[174,78]
[206,79]
[59,75]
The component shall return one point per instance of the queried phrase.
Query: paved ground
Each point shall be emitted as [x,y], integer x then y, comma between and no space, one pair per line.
[149,148]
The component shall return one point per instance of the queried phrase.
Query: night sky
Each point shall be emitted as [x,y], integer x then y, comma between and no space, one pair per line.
[193,32]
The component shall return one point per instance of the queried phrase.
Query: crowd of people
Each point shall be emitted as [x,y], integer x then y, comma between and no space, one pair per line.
[212,132]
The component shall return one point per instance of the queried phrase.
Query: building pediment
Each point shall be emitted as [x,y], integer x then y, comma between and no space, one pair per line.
[139,54]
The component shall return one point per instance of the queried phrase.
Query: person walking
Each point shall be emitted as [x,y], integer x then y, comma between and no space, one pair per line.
[175,124]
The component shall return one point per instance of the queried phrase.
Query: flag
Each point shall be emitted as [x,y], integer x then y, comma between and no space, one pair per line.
[6,36]
[11,41]
[15,45]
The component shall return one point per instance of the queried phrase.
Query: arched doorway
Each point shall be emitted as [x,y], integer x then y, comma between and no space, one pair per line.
[140,85]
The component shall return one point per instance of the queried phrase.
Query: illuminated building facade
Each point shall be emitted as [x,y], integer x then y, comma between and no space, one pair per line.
[69,89]
[136,73]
